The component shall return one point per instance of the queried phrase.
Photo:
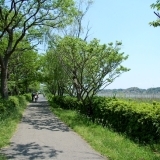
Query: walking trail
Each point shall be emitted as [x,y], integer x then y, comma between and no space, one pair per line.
[41,135]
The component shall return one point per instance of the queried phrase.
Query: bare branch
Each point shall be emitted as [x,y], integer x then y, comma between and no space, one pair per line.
[157,14]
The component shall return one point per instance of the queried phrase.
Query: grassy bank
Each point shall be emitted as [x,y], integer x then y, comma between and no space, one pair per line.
[9,119]
[108,143]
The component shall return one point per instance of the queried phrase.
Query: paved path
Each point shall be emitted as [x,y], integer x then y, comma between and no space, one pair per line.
[41,135]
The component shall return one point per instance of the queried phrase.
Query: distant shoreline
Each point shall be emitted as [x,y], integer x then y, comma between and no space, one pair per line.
[131,92]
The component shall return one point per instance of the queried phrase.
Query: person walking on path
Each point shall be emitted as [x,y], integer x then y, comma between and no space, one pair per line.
[41,135]
[33,94]
[36,97]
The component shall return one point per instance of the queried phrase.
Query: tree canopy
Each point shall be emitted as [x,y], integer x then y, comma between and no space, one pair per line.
[83,68]
[30,20]
[72,65]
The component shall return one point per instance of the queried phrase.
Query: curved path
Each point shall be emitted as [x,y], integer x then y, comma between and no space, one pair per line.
[41,135]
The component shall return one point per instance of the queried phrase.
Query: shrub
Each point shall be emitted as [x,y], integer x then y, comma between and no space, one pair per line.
[12,106]
[27,97]
[139,121]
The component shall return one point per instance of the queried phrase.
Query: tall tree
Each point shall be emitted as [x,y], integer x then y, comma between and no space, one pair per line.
[89,66]
[57,79]
[55,76]
[22,18]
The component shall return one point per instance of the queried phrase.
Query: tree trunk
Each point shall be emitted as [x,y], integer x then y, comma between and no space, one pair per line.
[4,87]
[26,87]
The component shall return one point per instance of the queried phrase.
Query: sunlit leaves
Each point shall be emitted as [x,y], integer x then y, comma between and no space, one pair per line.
[29,20]
[156,6]
[88,65]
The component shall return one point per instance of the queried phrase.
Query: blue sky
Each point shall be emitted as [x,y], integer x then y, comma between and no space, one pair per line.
[128,21]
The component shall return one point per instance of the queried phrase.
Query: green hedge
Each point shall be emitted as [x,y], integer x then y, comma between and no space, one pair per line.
[27,97]
[139,121]
[67,102]
[13,105]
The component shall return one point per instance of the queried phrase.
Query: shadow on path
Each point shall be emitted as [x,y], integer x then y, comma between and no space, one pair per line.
[41,135]
[40,117]
[31,151]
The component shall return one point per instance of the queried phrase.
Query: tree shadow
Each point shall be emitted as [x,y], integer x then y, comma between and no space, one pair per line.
[38,116]
[30,151]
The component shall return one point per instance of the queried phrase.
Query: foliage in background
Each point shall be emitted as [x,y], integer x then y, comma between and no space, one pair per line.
[23,72]
[80,69]
[28,20]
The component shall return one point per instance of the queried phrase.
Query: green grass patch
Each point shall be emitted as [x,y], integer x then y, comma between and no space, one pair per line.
[12,114]
[2,157]
[8,127]
[105,141]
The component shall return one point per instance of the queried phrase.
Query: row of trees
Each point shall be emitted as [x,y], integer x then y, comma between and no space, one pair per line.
[22,68]
[23,22]
[80,68]
[24,72]
[71,65]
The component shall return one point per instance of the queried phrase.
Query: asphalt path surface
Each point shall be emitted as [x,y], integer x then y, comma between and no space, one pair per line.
[41,135]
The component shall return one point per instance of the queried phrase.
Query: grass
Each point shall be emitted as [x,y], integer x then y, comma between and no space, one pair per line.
[2,157]
[110,144]
[7,129]
[8,125]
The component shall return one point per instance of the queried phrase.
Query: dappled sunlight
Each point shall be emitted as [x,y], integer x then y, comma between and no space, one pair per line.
[38,116]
